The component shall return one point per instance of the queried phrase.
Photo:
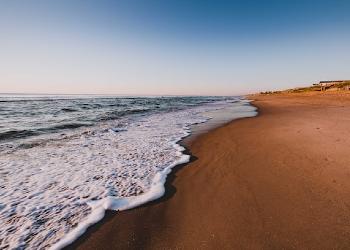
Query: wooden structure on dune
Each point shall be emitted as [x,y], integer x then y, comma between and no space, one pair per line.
[334,85]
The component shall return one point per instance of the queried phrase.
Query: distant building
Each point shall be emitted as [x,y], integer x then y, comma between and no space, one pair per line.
[329,83]
[338,84]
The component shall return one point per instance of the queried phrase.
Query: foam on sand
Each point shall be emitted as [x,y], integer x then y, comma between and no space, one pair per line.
[156,191]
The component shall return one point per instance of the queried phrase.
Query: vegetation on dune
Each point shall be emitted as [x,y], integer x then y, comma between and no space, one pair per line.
[322,86]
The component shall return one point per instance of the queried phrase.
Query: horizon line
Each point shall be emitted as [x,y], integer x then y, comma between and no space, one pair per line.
[121,95]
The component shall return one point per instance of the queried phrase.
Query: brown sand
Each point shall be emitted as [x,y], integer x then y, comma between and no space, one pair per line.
[277,181]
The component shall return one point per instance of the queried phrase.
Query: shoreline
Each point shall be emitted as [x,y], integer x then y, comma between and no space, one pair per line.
[197,131]
[217,119]
[257,183]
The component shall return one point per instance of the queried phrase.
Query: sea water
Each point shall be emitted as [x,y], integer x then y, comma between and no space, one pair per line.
[65,160]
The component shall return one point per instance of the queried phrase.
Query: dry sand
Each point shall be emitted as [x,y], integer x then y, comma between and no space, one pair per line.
[280,180]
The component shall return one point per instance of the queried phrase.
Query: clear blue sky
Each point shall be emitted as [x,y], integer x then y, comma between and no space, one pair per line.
[171,47]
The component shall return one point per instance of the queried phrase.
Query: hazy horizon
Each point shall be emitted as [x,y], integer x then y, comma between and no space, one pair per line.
[107,95]
[170,47]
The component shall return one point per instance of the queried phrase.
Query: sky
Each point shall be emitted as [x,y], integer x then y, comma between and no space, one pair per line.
[182,47]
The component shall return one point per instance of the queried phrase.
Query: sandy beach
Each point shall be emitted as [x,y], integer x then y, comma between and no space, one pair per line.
[276,181]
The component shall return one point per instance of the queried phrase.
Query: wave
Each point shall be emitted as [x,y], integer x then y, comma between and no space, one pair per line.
[21,134]
[112,115]
[69,110]
[16,134]
[72,125]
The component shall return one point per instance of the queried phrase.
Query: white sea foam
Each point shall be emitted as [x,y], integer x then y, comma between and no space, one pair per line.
[51,194]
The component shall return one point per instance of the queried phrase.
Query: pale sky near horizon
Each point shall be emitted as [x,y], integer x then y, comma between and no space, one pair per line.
[171,47]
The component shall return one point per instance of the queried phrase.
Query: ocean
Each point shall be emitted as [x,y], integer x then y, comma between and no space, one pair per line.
[65,160]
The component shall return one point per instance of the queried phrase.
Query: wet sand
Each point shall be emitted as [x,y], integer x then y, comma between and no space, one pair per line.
[280,180]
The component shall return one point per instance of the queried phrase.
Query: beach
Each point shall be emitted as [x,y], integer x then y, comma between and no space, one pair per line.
[279,180]
[175,125]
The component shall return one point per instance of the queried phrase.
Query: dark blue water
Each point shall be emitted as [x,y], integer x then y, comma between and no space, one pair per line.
[27,116]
